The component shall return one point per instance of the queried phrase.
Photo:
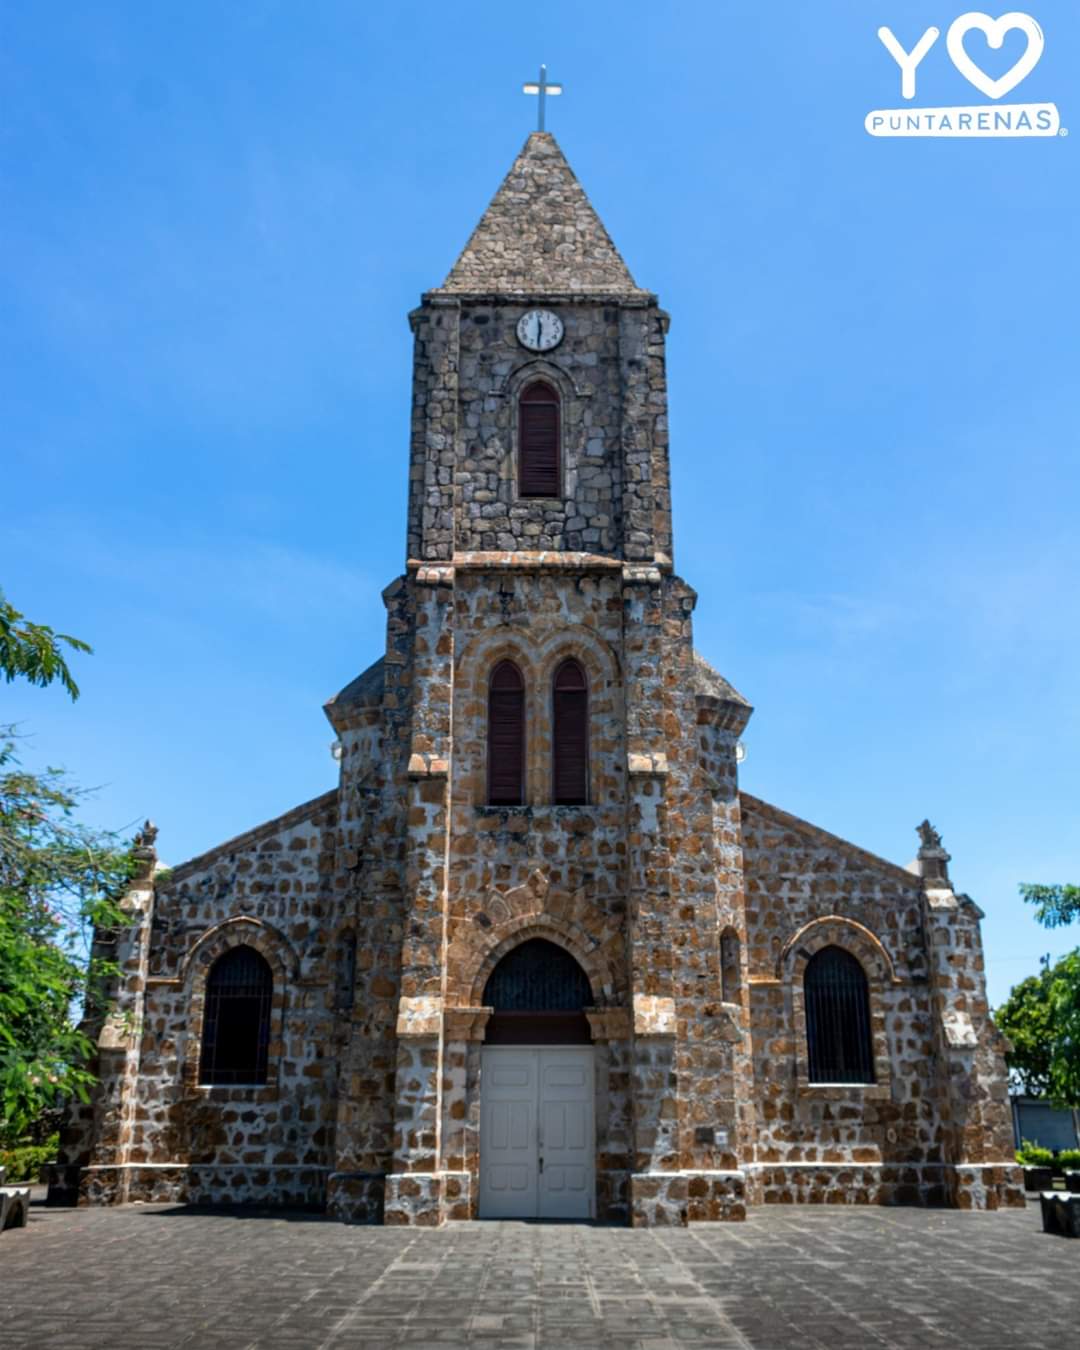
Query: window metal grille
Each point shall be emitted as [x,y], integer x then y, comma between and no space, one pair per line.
[236,1022]
[537,976]
[838,1034]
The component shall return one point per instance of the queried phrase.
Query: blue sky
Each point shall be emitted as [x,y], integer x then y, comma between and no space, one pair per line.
[215,219]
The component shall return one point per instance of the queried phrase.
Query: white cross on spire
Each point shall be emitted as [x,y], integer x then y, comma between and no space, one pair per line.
[542,88]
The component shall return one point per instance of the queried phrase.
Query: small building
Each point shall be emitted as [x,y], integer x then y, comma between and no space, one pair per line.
[1036,1121]
[535,954]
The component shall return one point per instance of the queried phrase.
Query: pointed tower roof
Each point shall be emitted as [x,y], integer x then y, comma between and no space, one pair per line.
[540,235]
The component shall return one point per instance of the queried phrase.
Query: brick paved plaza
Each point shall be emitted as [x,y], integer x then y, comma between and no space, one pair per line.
[141,1277]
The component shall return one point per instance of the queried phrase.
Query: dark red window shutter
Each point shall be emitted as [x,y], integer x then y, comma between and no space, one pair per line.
[571,735]
[538,441]
[506,736]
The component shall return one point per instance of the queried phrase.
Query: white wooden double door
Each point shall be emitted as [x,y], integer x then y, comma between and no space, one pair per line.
[537,1137]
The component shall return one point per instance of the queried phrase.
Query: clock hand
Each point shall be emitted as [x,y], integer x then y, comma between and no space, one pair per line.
[537,338]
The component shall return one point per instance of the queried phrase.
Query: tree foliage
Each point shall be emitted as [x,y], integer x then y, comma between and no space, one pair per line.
[33,651]
[1055,906]
[1025,1018]
[1042,1019]
[58,881]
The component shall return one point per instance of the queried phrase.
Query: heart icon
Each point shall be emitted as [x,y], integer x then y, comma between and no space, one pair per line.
[995,30]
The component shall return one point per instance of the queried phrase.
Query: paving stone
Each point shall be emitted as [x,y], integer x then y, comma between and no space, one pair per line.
[144,1277]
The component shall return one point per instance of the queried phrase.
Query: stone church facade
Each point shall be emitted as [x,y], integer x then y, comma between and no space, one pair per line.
[535,953]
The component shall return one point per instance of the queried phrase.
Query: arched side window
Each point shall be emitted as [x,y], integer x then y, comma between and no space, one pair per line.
[539,468]
[236,1019]
[538,993]
[346,972]
[570,735]
[730,972]
[506,736]
[838,1033]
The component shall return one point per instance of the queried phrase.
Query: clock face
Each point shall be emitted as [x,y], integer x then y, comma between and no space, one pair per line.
[540,330]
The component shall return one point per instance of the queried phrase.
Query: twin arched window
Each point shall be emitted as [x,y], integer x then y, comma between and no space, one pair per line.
[569,735]
[506,736]
[236,1020]
[838,1035]
[539,467]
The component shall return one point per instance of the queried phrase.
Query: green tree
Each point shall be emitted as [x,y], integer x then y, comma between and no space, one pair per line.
[1055,905]
[1025,1017]
[33,652]
[59,882]
[1042,1019]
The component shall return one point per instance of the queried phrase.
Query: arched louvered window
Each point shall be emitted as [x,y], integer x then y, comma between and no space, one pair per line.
[506,736]
[539,470]
[840,1043]
[538,992]
[570,735]
[236,1020]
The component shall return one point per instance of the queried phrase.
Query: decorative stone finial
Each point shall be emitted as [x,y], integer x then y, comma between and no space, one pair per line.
[933,860]
[147,836]
[144,851]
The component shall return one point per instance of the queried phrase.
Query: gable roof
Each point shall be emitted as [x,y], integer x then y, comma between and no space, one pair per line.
[755,806]
[366,691]
[709,681]
[540,235]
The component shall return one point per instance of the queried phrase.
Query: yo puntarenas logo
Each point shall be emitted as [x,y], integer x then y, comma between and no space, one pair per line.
[993,119]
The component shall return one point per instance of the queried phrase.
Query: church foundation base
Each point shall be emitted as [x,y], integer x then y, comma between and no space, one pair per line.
[356,1197]
[213,1184]
[987,1186]
[926,1185]
[665,1199]
[427,1199]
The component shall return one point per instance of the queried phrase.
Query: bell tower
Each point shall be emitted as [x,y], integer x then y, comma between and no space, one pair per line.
[596,338]
[541,758]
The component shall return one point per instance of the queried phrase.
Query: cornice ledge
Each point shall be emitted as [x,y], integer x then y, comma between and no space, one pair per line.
[641,574]
[431,573]
[424,765]
[650,764]
[546,560]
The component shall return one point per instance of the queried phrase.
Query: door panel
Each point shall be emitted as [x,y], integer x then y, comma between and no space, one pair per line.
[509,1163]
[536,1133]
[566,1134]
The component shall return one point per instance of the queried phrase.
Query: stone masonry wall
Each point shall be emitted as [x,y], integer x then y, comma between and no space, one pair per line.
[803,889]
[609,372]
[886,1142]
[374,719]
[174,1138]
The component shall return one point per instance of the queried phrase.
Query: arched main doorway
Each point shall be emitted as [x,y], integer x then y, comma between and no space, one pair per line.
[537,1132]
